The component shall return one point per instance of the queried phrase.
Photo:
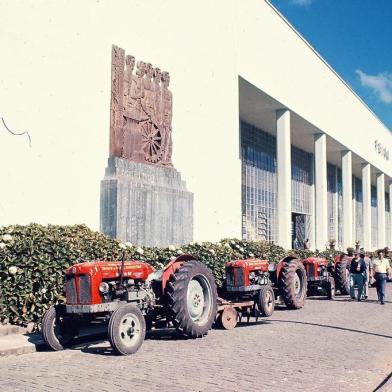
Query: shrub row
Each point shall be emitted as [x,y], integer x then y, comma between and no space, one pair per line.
[33,259]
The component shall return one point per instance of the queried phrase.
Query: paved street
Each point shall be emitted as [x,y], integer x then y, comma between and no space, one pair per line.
[327,346]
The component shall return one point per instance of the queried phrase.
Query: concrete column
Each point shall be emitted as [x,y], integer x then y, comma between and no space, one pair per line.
[313,217]
[354,211]
[390,216]
[367,208]
[347,199]
[320,159]
[283,153]
[381,209]
[336,209]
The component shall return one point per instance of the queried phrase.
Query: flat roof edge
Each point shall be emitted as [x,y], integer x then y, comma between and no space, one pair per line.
[326,63]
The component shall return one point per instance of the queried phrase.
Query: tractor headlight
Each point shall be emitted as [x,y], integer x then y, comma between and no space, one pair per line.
[103,287]
[272,267]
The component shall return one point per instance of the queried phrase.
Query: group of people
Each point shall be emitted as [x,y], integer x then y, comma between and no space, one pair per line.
[363,269]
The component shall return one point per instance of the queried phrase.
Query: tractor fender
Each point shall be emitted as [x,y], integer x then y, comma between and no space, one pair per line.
[173,266]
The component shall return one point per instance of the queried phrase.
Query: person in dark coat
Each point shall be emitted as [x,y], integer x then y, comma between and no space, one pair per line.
[357,274]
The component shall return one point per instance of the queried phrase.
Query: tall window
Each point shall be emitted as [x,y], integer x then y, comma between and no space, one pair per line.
[301,194]
[259,184]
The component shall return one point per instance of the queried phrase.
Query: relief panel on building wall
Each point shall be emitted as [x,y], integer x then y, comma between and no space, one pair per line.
[140,111]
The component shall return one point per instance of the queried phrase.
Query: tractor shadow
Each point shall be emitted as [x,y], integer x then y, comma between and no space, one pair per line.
[317,298]
[98,344]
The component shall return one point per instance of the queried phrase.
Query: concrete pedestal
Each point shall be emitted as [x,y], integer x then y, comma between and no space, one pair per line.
[145,204]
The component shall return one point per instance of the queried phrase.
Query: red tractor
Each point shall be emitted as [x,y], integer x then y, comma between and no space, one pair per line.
[133,296]
[252,285]
[320,277]
[128,294]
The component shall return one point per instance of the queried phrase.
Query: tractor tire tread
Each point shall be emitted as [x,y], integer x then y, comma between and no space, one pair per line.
[341,278]
[286,284]
[176,295]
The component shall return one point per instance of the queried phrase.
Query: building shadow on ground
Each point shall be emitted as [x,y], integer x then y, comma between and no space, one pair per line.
[345,299]
[331,327]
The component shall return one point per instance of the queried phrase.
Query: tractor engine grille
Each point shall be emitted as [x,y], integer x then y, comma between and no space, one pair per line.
[235,277]
[84,289]
[310,270]
[70,289]
[82,295]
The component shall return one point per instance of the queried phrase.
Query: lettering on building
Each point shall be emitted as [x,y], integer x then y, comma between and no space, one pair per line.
[382,150]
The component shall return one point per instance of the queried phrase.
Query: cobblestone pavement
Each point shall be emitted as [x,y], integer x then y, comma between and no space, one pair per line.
[327,346]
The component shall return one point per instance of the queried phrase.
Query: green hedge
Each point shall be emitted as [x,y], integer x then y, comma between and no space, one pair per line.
[33,259]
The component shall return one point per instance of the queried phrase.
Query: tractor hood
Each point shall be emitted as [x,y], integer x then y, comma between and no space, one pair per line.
[111,269]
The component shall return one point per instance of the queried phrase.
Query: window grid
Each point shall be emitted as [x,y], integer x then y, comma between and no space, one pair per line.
[259,184]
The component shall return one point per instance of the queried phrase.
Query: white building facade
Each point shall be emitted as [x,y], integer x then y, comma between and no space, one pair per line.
[315,159]
[303,157]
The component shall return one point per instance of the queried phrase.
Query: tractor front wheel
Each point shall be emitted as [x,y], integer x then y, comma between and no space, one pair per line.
[192,299]
[293,283]
[266,301]
[127,329]
[58,330]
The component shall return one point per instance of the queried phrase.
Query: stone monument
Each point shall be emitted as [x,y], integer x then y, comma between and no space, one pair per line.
[143,198]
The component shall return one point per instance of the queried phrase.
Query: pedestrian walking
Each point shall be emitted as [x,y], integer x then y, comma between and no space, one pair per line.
[381,268]
[363,255]
[357,271]
[387,256]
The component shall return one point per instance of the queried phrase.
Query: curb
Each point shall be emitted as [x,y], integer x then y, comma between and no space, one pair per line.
[18,344]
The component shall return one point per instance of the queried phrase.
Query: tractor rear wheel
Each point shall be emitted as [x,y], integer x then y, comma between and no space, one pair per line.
[192,299]
[266,301]
[127,329]
[293,283]
[58,331]
[342,277]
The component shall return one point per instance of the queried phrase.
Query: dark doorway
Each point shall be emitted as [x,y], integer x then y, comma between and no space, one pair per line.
[299,230]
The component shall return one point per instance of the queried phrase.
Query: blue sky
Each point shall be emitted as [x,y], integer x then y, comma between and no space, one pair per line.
[355,38]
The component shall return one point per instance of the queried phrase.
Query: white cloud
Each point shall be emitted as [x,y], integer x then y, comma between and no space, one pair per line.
[381,84]
[302,3]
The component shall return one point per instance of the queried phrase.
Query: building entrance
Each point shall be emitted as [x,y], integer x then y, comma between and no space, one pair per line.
[300,228]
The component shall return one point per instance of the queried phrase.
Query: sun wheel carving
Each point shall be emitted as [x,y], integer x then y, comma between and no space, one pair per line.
[151,142]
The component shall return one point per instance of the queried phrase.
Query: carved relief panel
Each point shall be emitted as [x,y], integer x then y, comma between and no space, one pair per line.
[140,111]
